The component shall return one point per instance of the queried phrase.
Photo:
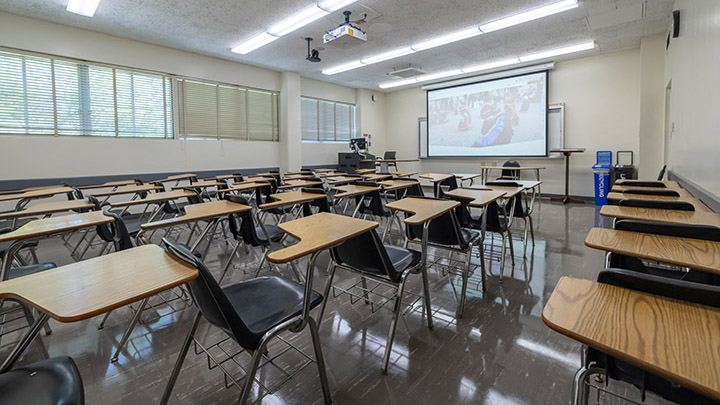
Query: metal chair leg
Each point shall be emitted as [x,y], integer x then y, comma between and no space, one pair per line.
[105,318]
[129,330]
[502,256]
[465,276]
[525,236]
[250,376]
[180,360]
[426,294]
[363,282]
[320,360]
[262,261]
[326,294]
[581,391]
[532,230]
[229,261]
[512,249]
[393,326]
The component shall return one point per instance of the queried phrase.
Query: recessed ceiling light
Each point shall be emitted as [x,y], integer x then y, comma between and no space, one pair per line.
[395,53]
[529,15]
[491,65]
[446,39]
[520,18]
[83,7]
[254,43]
[560,51]
[342,68]
[298,20]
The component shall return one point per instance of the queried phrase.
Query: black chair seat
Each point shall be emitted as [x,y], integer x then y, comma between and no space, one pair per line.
[403,259]
[21,271]
[476,223]
[276,234]
[53,381]
[265,302]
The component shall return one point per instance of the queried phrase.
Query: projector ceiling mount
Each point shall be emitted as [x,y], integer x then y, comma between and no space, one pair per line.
[312,55]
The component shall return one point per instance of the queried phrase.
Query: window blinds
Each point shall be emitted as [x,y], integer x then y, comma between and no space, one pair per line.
[218,111]
[48,96]
[327,121]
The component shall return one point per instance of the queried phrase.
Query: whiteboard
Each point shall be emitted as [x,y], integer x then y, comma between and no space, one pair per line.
[555,123]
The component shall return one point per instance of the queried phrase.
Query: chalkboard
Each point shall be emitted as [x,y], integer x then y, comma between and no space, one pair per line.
[556,131]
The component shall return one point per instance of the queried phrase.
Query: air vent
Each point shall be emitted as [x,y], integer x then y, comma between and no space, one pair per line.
[407,71]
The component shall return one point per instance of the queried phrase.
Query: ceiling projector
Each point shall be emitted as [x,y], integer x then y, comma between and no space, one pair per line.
[345,34]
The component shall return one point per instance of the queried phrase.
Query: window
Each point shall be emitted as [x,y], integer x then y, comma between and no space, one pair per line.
[219,111]
[327,121]
[51,96]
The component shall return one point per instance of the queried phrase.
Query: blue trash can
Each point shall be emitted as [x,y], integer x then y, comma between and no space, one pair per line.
[601,171]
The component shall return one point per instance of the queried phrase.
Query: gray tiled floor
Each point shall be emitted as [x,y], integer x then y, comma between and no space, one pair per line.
[499,353]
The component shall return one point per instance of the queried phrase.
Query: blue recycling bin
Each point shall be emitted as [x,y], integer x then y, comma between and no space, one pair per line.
[601,172]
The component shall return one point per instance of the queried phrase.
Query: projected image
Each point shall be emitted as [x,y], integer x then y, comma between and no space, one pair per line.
[504,117]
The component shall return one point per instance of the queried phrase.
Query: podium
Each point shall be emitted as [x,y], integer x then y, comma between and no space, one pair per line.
[351,162]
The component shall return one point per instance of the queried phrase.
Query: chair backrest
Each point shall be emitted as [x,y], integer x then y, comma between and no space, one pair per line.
[415,190]
[518,208]
[121,238]
[242,224]
[640,183]
[210,298]
[367,253]
[444,230]
[662,192]
[667,287]
[321,203]
[389,155]
[238,177]
[662,173]
[450,182]
[703,232]
[513,174]
[374,204]
[664,205]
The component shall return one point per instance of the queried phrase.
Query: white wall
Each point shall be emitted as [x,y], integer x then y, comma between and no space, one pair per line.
[26,157]
[692,66]
[602,101]
[652,105]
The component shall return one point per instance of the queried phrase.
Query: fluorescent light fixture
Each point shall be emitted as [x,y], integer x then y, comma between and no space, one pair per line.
[491,65]
[529,15]
[333,5]
[343,68]
[83,7]
[396,53]
[446,39]
[254,43]
[398,83]
[560,51]
[297,20]
[434,76]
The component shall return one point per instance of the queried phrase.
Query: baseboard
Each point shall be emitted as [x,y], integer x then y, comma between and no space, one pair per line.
[145,177]
[702,194]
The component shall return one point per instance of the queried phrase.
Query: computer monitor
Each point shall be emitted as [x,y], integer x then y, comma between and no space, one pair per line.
[358,144]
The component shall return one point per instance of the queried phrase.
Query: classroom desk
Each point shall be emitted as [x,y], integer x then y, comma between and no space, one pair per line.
[436,179]
[227,176]
[393,185]
[155,198]
[479,198]
[266,174]
[298,177]
[620,188]
[693,253]
[34,194]
[259,178]
[290,198]
[330,174]
[132,189]
[24,190]
[45,227]
[364,171]
[179,177]
[324,170]
[49,208]
[403,174]
[291,184]
[616,197]
[661,215]
[339,180]
[384,168]
[109,184]
[510,192]
[82,290]
[485,171]
[673,339]
[673,185]
[376,177]
[245,186]
[352,190]
[199,185]
[299,172]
